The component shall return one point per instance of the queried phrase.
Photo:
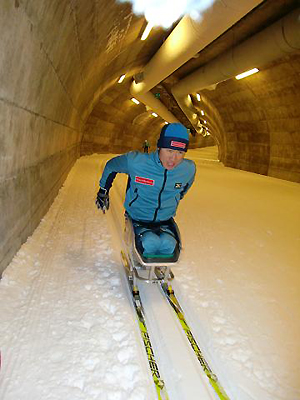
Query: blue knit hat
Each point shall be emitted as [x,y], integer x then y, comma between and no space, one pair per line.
[174,136]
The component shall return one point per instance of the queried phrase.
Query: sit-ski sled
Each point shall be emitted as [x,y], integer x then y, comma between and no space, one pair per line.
[158,269]
[149,267]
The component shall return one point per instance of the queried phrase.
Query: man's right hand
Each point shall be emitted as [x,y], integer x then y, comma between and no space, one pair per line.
[102,200]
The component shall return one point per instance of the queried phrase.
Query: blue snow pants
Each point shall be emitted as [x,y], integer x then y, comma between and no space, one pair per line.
[154,242]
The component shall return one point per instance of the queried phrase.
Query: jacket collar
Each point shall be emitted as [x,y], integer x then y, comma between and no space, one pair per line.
[157,159]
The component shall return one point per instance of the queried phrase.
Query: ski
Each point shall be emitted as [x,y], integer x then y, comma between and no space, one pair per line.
[173,301]
[158,381]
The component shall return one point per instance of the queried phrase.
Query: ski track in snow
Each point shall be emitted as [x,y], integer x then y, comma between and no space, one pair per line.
[67,327]
[67,331]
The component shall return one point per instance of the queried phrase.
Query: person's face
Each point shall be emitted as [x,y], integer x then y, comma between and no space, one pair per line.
[171,158]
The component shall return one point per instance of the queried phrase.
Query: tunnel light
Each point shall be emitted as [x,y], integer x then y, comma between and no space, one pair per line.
[154,115]
[121,79]
[247,73]
[198,97]
[135,100]
[166,123]
[147,31]
[189,100]
[205,122]
[202,112]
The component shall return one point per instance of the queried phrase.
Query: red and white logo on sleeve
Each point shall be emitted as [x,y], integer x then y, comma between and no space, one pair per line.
[144,181]
[178,144]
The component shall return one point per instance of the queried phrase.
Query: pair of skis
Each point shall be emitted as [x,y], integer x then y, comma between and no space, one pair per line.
[158,382]
[173,301]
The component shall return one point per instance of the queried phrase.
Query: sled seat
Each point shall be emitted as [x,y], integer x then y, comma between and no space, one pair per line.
[156,227]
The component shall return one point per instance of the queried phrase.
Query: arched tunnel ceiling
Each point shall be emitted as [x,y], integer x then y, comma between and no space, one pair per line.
[130,54]
[262,16]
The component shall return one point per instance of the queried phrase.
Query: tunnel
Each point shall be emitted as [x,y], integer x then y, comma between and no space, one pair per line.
[60,96]
[84,81]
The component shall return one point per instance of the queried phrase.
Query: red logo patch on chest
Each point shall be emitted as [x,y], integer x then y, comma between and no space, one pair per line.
[144,181]
[178,144]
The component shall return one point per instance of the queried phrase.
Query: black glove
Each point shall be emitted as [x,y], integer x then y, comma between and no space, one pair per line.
[102,201]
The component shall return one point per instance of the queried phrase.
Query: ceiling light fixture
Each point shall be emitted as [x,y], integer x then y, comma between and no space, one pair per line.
[135,100]
[202,112]
[154,115]
[247,73]
[121,79]
[189,99]
[147,31]
[198,97]
[205,122]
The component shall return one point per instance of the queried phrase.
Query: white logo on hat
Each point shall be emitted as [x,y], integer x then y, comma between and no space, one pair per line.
[178,144]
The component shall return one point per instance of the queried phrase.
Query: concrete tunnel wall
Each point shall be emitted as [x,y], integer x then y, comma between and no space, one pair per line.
[117,125]
[40,126]
[55,64]
[257,120]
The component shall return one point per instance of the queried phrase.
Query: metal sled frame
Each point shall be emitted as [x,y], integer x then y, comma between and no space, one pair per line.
[151,269]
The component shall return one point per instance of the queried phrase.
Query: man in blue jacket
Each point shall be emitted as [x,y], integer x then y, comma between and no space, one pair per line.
[156,183]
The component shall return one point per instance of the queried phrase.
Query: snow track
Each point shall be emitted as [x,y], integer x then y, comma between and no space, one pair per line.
[67,330]
[67,327]
[177,362]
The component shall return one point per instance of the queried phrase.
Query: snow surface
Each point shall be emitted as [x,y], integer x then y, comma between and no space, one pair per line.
[67,327]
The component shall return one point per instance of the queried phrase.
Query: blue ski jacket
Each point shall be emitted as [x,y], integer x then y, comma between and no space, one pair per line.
[153,192]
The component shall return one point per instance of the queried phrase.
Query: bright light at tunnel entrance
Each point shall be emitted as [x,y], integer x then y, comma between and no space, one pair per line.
[165,12]
[247,73]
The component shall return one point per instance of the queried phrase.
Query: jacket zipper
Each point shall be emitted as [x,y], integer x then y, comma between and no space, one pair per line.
[133,200]
[159,196]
